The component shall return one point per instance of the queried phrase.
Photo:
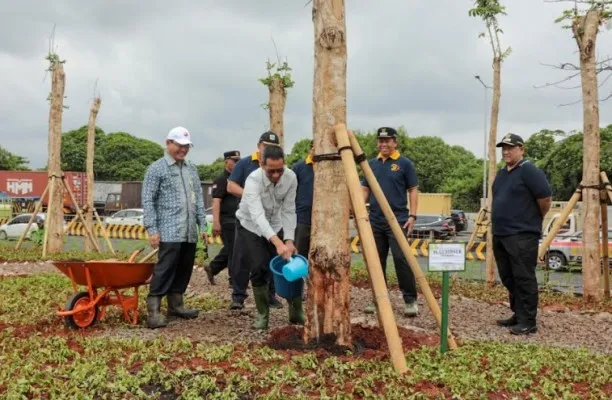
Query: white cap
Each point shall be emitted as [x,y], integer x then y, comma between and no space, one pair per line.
[179,135]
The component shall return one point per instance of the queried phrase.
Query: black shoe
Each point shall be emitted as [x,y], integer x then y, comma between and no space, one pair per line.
[507,322]
[274,303]
[209,274]
[522,329]
[236,305]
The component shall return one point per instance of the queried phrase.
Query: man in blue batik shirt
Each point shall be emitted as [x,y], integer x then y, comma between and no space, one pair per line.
[173,210]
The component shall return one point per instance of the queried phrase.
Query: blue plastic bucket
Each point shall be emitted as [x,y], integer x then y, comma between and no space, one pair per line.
[296,269]
[285,288]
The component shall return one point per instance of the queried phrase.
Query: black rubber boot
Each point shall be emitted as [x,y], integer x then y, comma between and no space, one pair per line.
[263,307]
[155,319]
[177,309]
[296,312]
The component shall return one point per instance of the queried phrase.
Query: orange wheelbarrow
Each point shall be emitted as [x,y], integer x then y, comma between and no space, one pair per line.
[105,282]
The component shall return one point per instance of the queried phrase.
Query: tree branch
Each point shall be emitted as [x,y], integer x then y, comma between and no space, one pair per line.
[496,27]
[549,84]
[491,38]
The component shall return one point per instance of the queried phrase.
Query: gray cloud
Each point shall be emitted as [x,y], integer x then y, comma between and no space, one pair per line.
[196,64]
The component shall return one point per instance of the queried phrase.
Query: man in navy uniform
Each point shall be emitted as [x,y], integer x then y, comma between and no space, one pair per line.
[235,185]
[397,178]
[303,202]
[521,199]
[224,217]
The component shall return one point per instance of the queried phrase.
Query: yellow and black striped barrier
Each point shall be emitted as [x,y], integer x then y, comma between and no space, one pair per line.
[135,232]
[420,248]
[3,221]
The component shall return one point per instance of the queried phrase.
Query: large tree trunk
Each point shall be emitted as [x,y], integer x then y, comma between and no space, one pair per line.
[55,213]
[91,143]
[327,309]
[585,33]
[276,107]
[493,164]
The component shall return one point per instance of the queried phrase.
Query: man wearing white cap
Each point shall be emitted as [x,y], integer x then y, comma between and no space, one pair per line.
[173,209]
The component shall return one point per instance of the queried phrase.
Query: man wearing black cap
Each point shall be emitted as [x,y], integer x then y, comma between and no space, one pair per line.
[303,202]
[397,178]
[235,185]
[224,217]
[521,199]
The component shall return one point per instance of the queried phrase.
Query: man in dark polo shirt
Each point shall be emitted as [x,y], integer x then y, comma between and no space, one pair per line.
[521,199]
[240,265]
[224,217]
[397,177]
[303,202]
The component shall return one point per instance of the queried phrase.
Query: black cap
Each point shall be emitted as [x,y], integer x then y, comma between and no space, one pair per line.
[512,140]
[269,138]
[386,132]
[231,155]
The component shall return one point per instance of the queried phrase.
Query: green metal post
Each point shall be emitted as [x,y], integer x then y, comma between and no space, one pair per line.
[444,328]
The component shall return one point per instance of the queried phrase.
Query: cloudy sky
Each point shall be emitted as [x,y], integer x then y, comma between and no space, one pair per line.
[196,63]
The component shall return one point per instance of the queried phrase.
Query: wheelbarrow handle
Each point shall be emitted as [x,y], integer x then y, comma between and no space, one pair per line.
[148,256]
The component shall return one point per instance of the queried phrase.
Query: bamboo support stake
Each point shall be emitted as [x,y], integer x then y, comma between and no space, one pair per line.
[557,225]
[104,232]
[80,215]
[604,247]
[383,303]
[31,221]
[401,238]
[46,234]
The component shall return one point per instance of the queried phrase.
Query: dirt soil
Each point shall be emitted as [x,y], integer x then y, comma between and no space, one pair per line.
[469,319]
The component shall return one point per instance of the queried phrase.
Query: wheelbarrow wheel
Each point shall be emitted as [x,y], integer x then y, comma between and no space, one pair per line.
[84,318]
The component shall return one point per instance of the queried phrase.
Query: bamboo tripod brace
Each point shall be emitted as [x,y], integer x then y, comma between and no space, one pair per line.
[605,197]
[79,213]
[350,151]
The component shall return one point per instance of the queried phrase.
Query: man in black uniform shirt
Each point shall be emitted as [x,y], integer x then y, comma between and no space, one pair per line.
[224,218]
[521,199]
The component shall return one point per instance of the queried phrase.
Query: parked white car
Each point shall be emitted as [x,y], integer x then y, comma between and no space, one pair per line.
[129,216]
[15,227]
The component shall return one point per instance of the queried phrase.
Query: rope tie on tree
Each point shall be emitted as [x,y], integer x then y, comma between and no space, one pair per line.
[599,186]
[326,157]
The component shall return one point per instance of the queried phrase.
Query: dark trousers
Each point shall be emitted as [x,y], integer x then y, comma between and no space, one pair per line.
[242,264]
[384,241]
[172,272]
[224,258]
[517,257]
[302,239]
[260,252]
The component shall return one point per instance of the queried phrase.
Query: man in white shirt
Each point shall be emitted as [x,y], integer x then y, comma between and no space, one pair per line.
[266,228]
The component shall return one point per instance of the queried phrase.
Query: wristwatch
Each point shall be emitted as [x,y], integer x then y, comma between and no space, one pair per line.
[413,216]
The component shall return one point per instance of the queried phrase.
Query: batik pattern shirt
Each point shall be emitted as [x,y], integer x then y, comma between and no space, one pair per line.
[172,201]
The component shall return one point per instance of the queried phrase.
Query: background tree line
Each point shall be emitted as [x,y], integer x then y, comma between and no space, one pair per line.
[441,168]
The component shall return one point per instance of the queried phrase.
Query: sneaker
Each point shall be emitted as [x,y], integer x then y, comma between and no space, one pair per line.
[507,322]
[523,329]
[411,309]
[236,305]
[370,308]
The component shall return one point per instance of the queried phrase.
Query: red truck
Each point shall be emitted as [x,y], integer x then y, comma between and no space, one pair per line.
[31,185]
